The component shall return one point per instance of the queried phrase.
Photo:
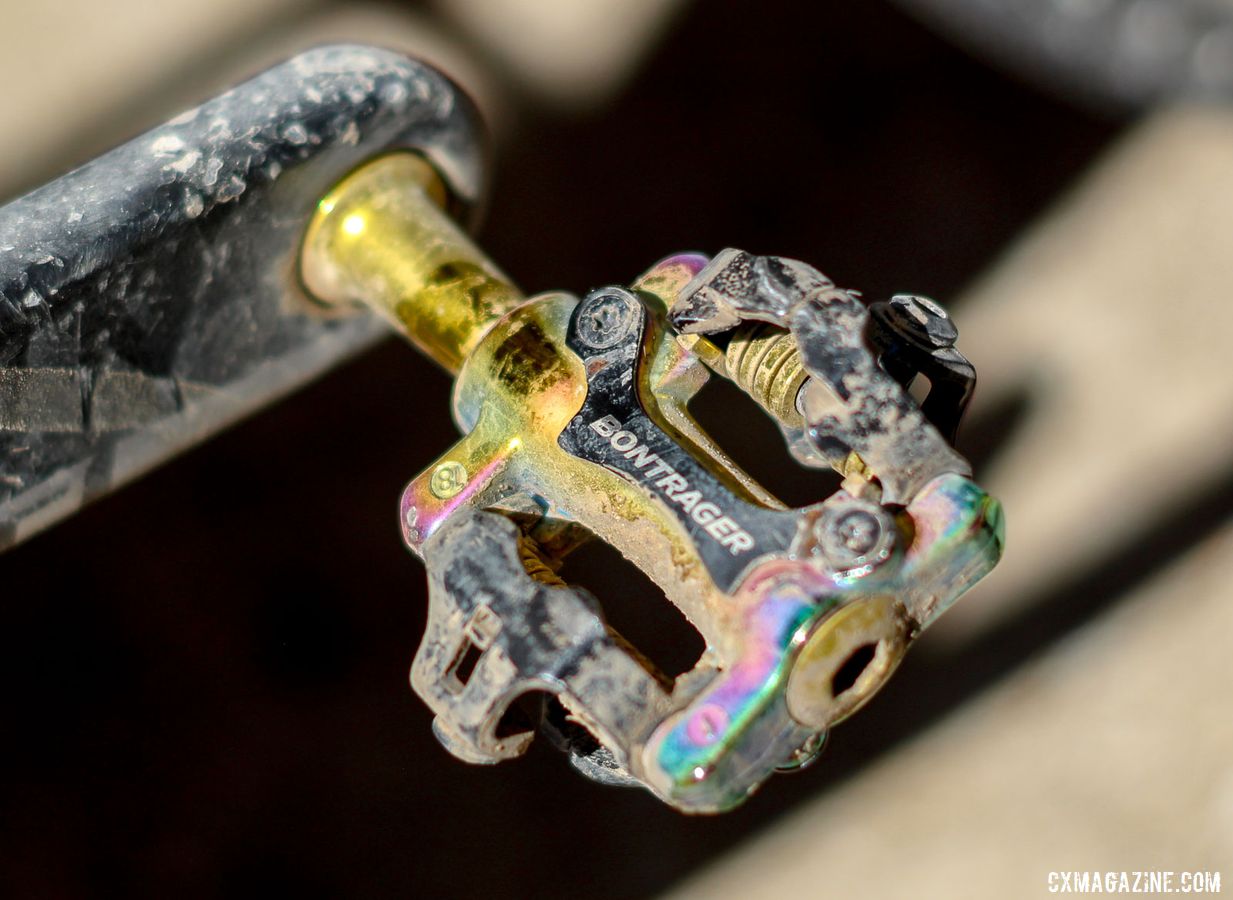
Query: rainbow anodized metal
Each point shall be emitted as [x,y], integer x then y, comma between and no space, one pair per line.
[576,422]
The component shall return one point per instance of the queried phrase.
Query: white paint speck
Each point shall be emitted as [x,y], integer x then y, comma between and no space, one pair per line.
[185,162]
[394,93]
[167,145]
[212,168]
[232,188]
[220,130]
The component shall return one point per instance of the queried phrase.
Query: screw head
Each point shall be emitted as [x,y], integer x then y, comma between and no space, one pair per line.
[605,318]
[857,531]
[924,320]
[854,535]
[447,480]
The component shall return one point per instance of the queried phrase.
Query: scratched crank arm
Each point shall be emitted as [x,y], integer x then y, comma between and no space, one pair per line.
[151,297]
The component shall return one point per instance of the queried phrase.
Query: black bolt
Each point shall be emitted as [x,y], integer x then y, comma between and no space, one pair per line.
[605,318]
[854,535]
[857,532]
[923,320]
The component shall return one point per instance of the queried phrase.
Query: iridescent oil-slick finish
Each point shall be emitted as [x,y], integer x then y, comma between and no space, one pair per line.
[576,422]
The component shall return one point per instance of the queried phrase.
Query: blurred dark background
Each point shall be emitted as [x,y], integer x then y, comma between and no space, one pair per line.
[206,673]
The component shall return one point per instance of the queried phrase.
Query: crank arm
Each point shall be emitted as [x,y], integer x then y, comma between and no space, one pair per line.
[151,297]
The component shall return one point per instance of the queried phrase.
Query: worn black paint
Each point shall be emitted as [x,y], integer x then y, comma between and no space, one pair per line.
[150,297]
[612,391]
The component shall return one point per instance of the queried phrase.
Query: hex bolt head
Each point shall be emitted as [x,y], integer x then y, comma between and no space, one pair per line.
[924,320]
[855,535]
[857,531]
[605,318]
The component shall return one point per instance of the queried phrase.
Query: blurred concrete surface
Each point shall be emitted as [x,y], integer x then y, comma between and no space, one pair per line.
[1111,317]
[97,74]
[68,61]
[85,76]
[1111,752]
[1113,749]
[571,54]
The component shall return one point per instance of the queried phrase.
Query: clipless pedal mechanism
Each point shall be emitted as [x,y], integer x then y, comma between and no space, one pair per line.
[576,422]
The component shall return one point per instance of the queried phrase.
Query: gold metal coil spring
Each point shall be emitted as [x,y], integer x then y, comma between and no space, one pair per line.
[533,561]
[763,361]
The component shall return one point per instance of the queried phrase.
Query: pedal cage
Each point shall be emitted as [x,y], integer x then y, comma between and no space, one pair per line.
[576,426]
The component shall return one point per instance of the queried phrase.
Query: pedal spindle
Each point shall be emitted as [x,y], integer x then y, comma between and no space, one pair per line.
[763,361]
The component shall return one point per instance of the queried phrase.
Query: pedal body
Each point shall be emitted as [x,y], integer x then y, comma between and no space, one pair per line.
[576,422]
